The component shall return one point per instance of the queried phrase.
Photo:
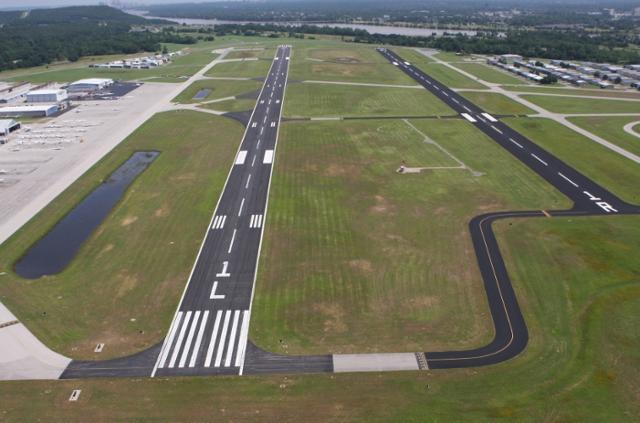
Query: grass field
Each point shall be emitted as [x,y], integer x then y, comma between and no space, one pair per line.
[449,77]
[179,69]
[611,170]
[573,91]
[137,262]
[342,63]
[583,105]
[219,89]
[611,129]
[261,53]
[581,363]
[238,105]
[307,99]
[412,56]
[353,257]
[242,69]
[447,56]
[497,103]
[488,74]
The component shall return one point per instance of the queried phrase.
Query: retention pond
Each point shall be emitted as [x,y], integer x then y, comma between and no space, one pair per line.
[52,253]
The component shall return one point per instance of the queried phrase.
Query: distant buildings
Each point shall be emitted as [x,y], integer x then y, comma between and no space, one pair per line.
[7,126]
[146,62]
[602,75]
[29,110]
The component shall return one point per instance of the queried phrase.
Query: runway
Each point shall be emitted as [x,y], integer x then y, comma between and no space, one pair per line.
[209,332]
[589,198]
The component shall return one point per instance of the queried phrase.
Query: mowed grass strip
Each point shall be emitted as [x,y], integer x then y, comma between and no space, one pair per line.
[310,99]
[570,105]
[242,69]
[449,77]
[123,286]
[218,89]
[358,258]
[488,74]
[248,52]
[580,300]
[345,63]
[611,129]
[572,91]
[496,103]
[238,105]
[606,167]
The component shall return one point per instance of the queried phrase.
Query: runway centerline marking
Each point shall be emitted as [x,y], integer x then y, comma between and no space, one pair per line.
[241,206]
[568,180]
[233,238]
[539,159]
[516,142]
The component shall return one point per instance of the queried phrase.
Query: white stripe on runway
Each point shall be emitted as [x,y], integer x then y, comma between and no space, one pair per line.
[568,180]
[176,348]
[212,341]
[253,216]
[223,338]
[241,206]
[233,238]
[196,347]
[242,341]
[539,159]
[218,222]
[248,180]
[496,129]
[268,157]
[242,155]
[516,142]
[232,339]
[172,334]
[187,344]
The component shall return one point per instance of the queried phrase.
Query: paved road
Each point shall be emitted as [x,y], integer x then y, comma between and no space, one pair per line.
[589,198]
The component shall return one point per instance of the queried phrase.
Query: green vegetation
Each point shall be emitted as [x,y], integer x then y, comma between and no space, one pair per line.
[611,129]
[306,99]
[353,258]
[136,264]
[573,91]
[177,71]
[580,300]
[608,168]
[242,69]
[251,52]
[583,105]
[345,63]
[413,56]
[488,74]
[497,103]
[450,77]
[46,35]
[219,89]
[238,105]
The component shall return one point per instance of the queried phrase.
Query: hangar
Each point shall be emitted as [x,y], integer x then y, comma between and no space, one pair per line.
[47,96]
[32,110]
[7,126]
[89,85]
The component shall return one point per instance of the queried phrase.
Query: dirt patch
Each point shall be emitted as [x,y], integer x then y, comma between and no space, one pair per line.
[382,206]
[162,211]
[128,282]
[337,169]
[361,265]
[334,317]
[189,176]
[128,220]
[106,249]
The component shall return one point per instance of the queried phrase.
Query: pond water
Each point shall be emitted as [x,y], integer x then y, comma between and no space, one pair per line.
[52,253]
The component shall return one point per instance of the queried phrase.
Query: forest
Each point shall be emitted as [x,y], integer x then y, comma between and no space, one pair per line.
[47,35]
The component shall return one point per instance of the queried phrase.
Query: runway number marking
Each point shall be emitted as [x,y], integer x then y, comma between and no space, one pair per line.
[273,124]
[602,204]
[213,295]
[254,124]
[224,273]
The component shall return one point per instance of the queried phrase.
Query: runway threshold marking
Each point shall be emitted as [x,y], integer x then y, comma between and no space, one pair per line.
[196,347]
[187,344]
[212,342]
[176,349]
[172,334]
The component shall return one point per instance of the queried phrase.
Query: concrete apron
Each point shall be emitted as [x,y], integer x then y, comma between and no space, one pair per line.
[22,355]
[374,362]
